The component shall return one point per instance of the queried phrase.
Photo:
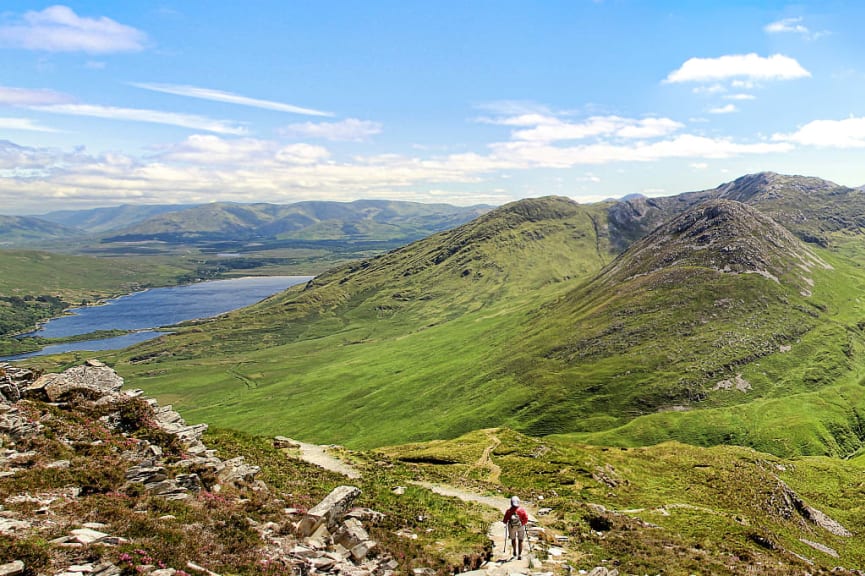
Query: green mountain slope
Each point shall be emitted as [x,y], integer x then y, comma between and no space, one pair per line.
[494,323]
[671,324]
[416,335]
[23,229]
[100,220]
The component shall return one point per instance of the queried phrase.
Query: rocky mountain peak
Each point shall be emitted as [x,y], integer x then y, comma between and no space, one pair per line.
[770,185]
[726,236]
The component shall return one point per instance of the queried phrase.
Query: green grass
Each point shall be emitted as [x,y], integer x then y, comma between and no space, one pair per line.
[670,508]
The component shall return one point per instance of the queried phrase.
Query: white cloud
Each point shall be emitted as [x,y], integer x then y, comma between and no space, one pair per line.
[228,97]
[847,133]
[740,96]
[699,165]
[710,89]
[59,29]
[550,129]
[750,66]
[795,26]
[302,154]
[348,130]
[192,121]
[726,109]
[208,149]
[526,155]
[23,124]
[27,97]
[787,25]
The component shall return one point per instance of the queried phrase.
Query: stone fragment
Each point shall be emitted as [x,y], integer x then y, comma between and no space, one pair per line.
[330,511]
[362,550]
[285,442]
[12,568]
[351,533]
[200,569]
[87,535]
[10,525]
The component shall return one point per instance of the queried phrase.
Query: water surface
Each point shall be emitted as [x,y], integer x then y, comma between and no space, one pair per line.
[154,308]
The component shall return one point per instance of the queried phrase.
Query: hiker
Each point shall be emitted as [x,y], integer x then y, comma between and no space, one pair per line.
[516,519]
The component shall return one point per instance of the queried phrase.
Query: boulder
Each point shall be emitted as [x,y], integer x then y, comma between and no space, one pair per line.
[92,380]
[330,511]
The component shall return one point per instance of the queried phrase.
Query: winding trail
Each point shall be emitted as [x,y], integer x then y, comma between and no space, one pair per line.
[318,455]
[505,564]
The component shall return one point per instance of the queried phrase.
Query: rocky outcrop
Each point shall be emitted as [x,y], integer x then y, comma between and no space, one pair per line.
[328,539]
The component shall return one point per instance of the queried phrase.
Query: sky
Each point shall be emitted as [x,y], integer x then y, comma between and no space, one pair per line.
[464,102]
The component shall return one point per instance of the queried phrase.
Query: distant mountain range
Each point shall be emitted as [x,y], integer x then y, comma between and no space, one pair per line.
[362,221]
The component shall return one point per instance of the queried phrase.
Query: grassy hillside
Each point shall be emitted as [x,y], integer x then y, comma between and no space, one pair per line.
[420,330]
[505,322]
[670,508]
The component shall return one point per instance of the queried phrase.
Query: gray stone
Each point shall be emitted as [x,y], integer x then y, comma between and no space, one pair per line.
[88,535]
[88,380]
[330,511]
[9,525]
[12,568]
[351,533]
[285,442]
[362,550]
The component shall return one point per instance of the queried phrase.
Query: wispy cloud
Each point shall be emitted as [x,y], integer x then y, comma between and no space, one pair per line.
[726,109]
[348,130]
[60,29]
[192,121]
[546,128]
[787,25]
[23,124]
[27,97]
[228,97]
[846,133]
[739,96]
[750,66]
[793,26]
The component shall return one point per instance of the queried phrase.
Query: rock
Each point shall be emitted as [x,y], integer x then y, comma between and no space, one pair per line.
[236,470]
[81,568]
[200,569]
[362,550]
[12,568]
[106,569]
[88,380]
[601,571]
[330,511]
[285,442]
[88,536]
[60,464]
[146,474]
[351,533]
[9,525]
[821,547]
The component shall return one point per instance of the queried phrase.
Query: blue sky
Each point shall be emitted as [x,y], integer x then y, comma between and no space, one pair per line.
[466,102]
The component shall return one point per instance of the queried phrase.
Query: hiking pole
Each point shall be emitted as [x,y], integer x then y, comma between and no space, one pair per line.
[528,541]
[505,549]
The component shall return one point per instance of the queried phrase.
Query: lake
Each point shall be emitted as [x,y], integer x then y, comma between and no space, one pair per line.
[154,308]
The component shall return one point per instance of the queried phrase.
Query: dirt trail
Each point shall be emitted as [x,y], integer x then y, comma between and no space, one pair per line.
[485,461]
[503,564]
[315,454]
